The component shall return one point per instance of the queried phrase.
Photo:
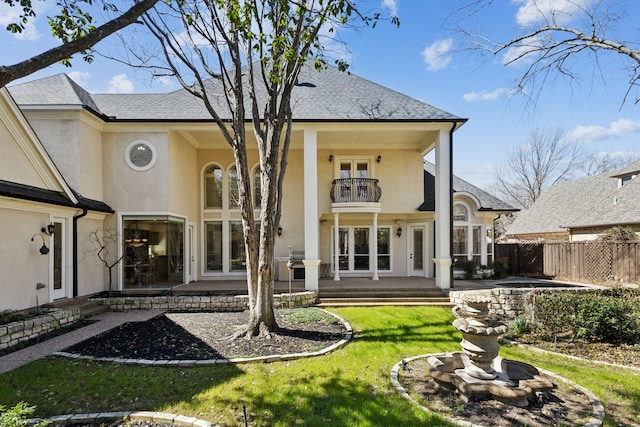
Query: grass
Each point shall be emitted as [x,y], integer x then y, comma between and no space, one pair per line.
[350,387]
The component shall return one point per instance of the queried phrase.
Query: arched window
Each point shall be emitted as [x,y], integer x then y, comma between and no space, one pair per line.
[234,193]
[460,212]
[257,197]
[213,187]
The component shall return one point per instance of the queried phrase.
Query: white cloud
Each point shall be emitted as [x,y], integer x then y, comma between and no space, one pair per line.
[391,6]
[522,53]
[120,84]
[437,56]
[487,96]
[80,77]
[165,81]
[618,129]
[559,11]
[10,14]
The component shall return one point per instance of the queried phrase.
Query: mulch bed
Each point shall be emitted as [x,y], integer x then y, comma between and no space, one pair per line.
[203,336]
[564,405]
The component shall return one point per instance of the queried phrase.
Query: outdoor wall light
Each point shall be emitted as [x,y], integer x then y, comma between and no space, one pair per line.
[279,231]
[399,231]
[379,158]
[48,230]
[43,249]
[330,157]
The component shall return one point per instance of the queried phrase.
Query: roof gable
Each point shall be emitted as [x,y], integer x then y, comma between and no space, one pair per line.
[25,161]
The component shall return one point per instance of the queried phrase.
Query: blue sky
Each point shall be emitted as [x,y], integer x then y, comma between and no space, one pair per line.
[426,58]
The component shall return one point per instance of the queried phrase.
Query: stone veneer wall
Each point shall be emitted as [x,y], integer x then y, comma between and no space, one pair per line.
[203,303]
[509,303]
[23,330]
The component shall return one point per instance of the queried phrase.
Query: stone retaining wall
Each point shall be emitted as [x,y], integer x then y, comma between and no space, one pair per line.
[509,303]
[203,303]
[23,330]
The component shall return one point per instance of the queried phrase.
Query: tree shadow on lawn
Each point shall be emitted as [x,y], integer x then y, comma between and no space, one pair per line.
[62,386]
[335,400]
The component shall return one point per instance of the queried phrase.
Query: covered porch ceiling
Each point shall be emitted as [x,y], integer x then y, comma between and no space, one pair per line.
[419,137]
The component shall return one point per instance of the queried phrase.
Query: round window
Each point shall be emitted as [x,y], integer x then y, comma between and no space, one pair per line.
[140,155]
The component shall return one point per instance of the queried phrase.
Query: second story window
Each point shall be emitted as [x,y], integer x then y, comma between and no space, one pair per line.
[213,187]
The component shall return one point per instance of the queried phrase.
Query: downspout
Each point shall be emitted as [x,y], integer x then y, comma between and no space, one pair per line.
[453,128]
[75,250]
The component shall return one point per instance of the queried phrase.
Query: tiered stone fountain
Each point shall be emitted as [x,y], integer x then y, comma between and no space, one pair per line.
[477,372]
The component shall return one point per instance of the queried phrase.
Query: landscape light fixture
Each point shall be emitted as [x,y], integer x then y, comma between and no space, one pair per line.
[43,249]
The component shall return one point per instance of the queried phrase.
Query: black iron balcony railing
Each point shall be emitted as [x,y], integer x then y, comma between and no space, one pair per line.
[355,190]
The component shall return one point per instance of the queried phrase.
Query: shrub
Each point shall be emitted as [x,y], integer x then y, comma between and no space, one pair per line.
[553,312]
[469,270]
[607,319]
[520,325]
[618,234]
[499,269]
[611,316]
[18,416]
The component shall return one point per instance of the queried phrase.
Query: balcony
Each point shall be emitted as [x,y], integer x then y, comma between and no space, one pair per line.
[355,191]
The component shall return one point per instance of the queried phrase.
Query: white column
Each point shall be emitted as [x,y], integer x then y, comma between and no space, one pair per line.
[374,243]
[311,226]
[442,259]
[336,247]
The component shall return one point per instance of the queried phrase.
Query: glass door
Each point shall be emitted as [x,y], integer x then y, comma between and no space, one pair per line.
[416,253]
[58,270]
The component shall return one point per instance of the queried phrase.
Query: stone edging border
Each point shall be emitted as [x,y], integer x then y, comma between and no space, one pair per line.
[596,420]
[262,359]
[568,356]
[158,417]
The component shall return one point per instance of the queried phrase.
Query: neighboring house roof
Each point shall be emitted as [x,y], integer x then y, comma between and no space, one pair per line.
[35,194]
[588,202]
[486,201]
[328,95]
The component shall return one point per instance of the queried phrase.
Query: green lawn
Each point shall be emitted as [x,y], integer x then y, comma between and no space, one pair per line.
[350,387]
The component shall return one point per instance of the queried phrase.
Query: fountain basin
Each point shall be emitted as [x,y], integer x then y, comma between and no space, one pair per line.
[514,382]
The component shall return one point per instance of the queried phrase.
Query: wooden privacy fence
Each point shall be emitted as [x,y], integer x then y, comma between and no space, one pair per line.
[587,261]
[593,261]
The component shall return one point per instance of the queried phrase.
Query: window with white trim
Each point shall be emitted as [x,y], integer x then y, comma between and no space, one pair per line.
[355,251]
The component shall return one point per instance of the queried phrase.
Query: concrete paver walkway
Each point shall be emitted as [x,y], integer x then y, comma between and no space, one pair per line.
[104,322]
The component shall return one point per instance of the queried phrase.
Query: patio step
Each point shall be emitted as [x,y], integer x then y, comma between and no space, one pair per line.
[381,293]
[376,302]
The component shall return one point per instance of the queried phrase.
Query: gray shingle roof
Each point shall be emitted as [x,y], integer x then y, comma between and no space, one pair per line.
[584,202]
[487,201]
[326,96]
[54,90]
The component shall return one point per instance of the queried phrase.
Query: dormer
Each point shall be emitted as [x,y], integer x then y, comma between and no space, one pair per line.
[627,174]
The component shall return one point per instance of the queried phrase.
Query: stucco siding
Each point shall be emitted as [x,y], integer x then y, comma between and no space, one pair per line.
[21,263]
[92,273]
[90,156]
[128,190]
[59,134]
[183,178]
[14,165]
